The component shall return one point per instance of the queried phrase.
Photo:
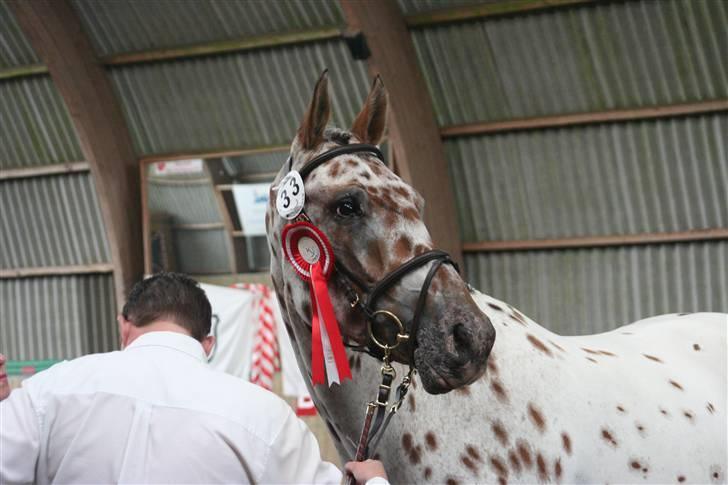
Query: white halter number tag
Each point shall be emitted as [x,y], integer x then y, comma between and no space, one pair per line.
[291,196]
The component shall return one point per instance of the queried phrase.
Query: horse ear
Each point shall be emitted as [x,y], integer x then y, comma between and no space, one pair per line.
[369,123]
[311,132]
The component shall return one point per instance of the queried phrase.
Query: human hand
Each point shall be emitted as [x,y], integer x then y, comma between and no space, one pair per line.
[364,471]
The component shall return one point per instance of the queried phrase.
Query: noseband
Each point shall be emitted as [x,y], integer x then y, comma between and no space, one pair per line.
[380,349]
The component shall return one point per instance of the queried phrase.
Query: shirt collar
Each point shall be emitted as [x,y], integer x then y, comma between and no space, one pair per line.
[173,340]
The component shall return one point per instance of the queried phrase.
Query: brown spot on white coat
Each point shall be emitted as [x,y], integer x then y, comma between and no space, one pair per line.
[538,344]
[500,432]
[609,437]
[566,442]
[431,441]
[536,417]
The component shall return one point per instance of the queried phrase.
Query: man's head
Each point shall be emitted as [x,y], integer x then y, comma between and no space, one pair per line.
[167,301]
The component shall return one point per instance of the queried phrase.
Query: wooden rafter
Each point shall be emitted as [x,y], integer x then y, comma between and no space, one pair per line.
[232,152]
[225,46]
[611,116]
[44,170]
[597,241]
[413,129]
[483,10]
[55,32]
[55,271]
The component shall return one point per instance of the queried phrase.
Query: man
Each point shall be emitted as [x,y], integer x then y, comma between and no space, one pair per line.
[155,412]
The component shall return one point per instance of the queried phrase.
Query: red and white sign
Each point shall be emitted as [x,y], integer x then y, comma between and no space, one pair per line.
[179,167]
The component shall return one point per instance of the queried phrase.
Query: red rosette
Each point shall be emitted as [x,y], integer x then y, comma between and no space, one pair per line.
[309,251]
[304,236]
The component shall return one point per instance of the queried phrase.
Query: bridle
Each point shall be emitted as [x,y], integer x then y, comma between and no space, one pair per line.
[372,293]
[367,305]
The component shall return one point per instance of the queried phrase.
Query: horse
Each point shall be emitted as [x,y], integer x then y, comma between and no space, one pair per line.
[496,397]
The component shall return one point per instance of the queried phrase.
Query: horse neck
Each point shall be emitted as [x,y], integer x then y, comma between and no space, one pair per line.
[341,407]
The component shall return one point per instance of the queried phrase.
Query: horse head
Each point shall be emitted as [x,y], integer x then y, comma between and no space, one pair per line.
[388,279]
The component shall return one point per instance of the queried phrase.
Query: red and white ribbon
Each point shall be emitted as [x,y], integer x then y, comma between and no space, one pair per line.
[309,252]
[265,358]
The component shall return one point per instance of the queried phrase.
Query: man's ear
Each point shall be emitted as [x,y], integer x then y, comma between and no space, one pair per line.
[124,330]
[311,132]
[208,343]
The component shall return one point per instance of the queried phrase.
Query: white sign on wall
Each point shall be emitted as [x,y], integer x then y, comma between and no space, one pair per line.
[251,201]
[178,167]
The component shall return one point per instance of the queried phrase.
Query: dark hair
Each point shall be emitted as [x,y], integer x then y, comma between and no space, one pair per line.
[170,296]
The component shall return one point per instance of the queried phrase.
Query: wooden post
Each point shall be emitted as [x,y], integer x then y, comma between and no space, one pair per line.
[413,130]
[55,32]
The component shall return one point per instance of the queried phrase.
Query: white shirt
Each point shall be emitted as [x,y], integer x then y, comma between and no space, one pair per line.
[153,413]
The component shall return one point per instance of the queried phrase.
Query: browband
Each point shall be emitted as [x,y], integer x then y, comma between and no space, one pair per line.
[335,152]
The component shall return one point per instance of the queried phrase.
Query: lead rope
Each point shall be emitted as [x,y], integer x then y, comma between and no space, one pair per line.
[372,433]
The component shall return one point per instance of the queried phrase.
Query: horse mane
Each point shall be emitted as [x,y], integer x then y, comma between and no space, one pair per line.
[337,135]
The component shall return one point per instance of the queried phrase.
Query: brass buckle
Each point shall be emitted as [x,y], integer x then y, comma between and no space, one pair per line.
[401,336]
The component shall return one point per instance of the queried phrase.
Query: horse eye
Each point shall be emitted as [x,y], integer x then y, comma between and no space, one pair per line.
[348,208]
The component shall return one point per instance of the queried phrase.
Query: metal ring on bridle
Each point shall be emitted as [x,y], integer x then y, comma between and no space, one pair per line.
[401,336]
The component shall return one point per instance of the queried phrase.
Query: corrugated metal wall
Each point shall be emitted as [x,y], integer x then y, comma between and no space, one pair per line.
[14,48]
[57,317]
[607,179]
[51,221]
[665,175]
[36,127]
[47,221]
[589,58]
[119,27]
[245,100]
[584,291]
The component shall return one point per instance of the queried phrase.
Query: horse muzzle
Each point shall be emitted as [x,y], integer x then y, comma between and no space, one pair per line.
[455,352]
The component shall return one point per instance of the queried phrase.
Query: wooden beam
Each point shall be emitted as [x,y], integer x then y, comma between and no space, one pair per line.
[597,241]
[44,170]
[612,116]
[413,129]
[248,179]
[483,10]
[146,219]
[233,152]
[55,33]
[224,46]
[199,226]
[178,182]
[56,271]
[23,71]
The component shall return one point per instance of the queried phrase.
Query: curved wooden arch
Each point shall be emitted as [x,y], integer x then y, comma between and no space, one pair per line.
[55,32]
[413,131]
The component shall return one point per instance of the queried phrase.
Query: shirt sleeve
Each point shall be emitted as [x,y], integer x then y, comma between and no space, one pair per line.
[19,438]
[294,457]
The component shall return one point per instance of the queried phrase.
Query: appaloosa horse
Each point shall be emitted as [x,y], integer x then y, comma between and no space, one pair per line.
[643,403]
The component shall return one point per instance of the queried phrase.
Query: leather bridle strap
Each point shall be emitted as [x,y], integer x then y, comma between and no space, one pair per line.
[335,152]
[407,267]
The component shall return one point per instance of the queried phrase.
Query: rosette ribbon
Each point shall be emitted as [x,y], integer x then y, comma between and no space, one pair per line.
[309,251]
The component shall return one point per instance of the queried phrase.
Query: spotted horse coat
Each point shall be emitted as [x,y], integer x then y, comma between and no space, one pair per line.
[645,403]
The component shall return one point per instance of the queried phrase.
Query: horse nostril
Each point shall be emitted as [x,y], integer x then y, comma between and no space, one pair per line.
[461,337]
